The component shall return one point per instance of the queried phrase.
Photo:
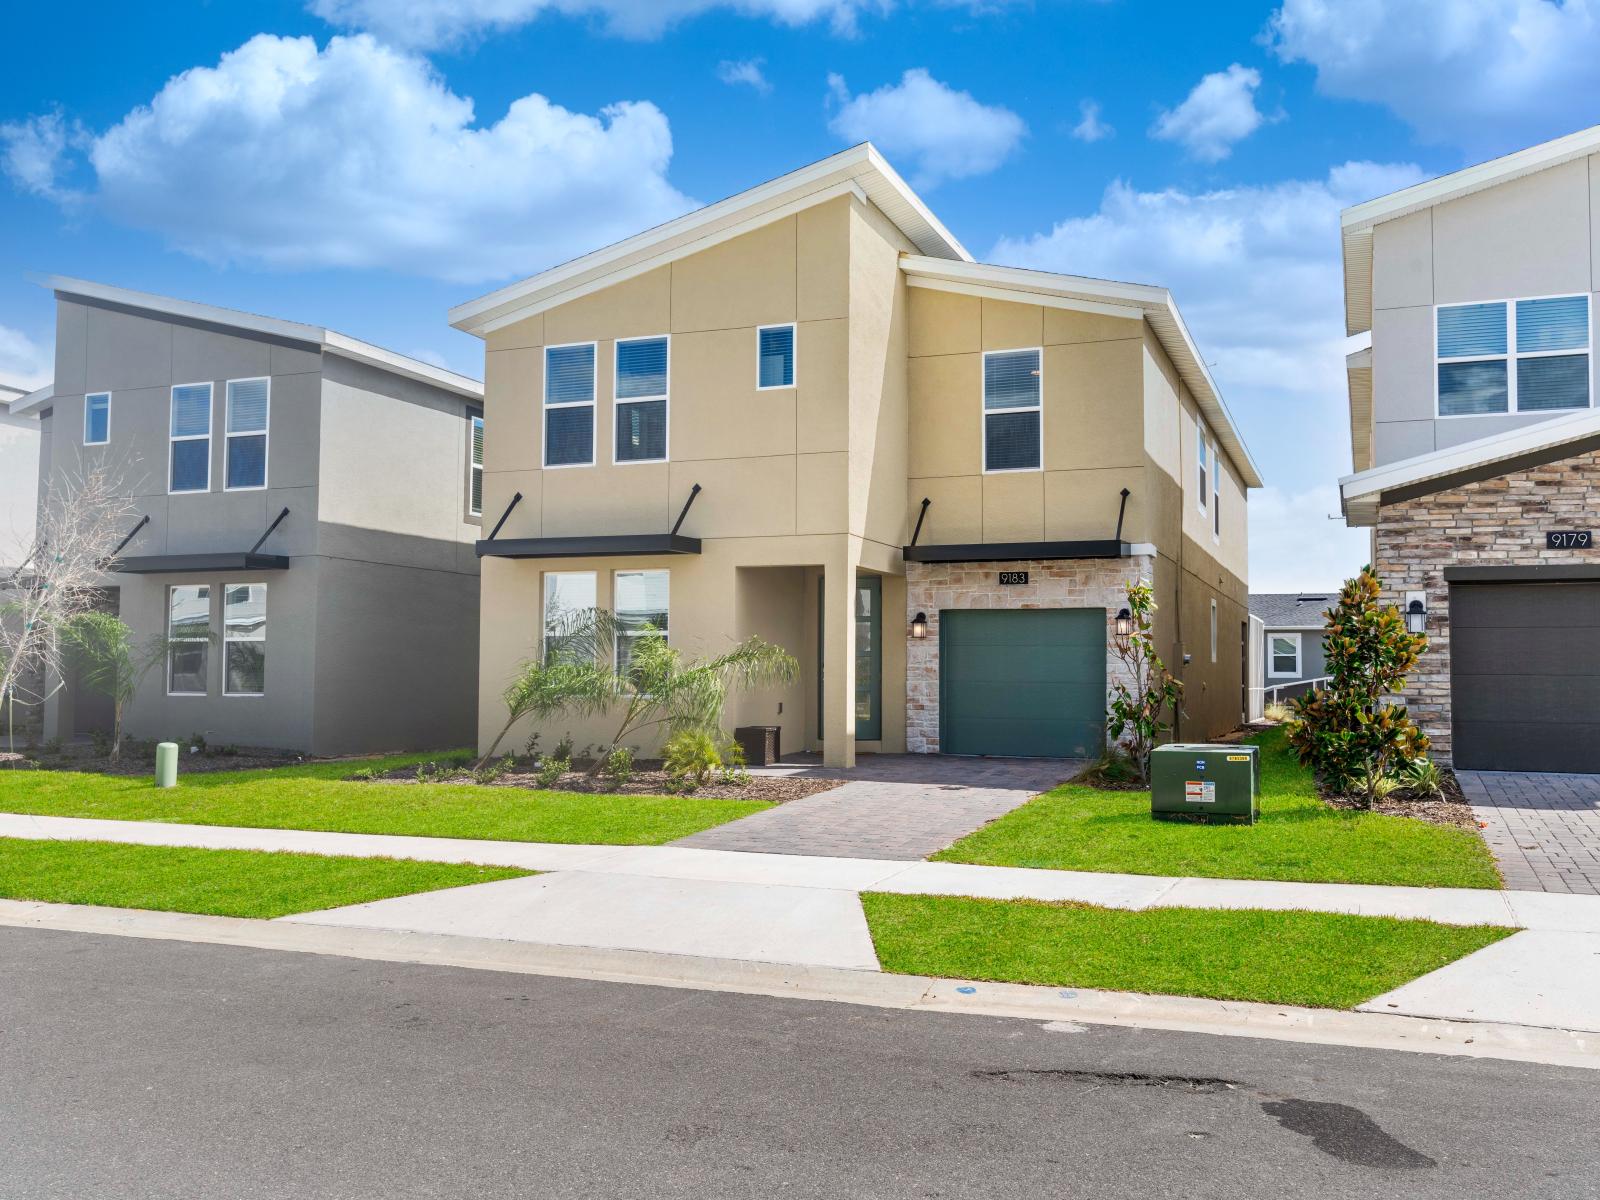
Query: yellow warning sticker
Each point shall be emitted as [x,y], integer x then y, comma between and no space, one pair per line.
[1238,758]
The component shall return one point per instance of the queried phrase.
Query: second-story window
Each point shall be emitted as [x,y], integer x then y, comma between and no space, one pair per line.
[191,438]
[1204,490]
[246,433]
[1012,410]
[97,418]
[475,468]
[1216,495]
[774,356]
[1513,356]
[569,405]
[640,411]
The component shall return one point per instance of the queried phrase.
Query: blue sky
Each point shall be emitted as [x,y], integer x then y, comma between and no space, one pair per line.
[365,164]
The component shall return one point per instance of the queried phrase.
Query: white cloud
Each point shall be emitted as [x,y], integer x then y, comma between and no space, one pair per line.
[940,132]
[748,73]
[24,363]
[358,155]
[1091,128]
[32,153]
[1220,111]
[429,24]
[1256,271]
[1489,76]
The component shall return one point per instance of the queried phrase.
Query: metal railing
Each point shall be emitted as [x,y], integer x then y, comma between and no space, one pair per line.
[1279,692]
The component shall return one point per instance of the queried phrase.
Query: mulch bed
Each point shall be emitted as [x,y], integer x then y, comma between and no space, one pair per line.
[648,780]
[143,762]
[1452,809]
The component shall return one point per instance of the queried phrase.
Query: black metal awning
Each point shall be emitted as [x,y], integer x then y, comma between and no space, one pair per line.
[179,564]
[606,546]
[967,552]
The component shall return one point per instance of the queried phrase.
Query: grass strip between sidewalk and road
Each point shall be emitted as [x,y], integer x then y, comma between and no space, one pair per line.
[224,883]
[317,795]
[1319,960]
[1298,837]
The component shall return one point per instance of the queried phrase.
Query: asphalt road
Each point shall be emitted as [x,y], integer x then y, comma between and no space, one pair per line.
[133,1068]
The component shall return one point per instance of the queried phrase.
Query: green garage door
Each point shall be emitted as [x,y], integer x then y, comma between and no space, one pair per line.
[1023,682]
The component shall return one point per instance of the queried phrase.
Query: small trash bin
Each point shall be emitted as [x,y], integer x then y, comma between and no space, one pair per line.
[759,743]
[1216,784]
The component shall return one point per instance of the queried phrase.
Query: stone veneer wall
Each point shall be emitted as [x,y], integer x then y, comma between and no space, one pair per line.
[1054,583]
[1500,521]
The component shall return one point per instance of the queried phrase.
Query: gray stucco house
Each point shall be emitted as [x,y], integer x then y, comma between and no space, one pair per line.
[1291,640]
[305,504]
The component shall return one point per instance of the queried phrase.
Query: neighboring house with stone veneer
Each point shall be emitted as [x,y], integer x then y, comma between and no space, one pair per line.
[1291,640]
[1474,440]
[302,524]
[805,413]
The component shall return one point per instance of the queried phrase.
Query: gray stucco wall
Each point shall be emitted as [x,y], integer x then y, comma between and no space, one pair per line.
[19,484]
[1534,236]
[372,631]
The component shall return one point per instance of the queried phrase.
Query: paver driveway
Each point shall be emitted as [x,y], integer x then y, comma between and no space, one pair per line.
[1544,829]
[891,806]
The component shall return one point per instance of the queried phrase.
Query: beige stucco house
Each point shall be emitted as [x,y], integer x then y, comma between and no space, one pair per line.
[1476,446]
[806,413]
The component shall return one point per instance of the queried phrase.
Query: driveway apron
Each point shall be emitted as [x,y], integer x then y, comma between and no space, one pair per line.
[1544,830]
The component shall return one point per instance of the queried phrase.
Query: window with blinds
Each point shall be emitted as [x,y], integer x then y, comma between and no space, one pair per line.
[640,409]
[190,465]
[97,418]
[246,433]
[569,405]
[1012,410]
[774,356]
[1513,356]
[475,468]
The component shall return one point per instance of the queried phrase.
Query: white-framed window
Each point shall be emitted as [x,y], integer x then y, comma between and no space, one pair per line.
[774,357]
[639,400]
[188,639]
[1213,631]
[191,438]
[640,599]
[1512,356]
[1216,495]
[565,594]
[1203,491]
[475,467]
[97,418]
[245,433]
[1013,410]
[244,639]
[1283,655]
[569,419]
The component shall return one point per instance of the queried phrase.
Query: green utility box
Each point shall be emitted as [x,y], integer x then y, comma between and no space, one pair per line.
[1215,784]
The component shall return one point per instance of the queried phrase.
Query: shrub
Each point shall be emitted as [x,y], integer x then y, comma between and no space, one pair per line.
[1276,711]
[690,756]
[734,771]
[1114,768]
[551,769]
[1350,732]
[618,766]
[1422,777]
[1138,714]
[364,775]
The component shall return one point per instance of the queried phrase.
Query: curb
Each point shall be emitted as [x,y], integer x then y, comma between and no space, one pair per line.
[1379,1031]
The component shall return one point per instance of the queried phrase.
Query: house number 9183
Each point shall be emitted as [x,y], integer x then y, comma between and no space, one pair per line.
[1569,539]
[1010,577]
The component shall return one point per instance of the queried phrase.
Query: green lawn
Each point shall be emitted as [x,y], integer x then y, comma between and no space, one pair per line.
[228,883]
[1323,960]
[1298,837]
[315,796]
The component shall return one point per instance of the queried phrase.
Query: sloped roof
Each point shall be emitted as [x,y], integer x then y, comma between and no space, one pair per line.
[1357,222]
[1291,610]
[328,340]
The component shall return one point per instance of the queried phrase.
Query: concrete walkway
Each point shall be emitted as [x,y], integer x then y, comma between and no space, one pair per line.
[1544,830]
[899,806]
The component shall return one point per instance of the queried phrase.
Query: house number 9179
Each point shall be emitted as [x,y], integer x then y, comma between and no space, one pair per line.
[1569,539]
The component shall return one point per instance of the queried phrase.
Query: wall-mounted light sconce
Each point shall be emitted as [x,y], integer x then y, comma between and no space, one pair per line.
[1417,612]
[1124,623]
[919,626]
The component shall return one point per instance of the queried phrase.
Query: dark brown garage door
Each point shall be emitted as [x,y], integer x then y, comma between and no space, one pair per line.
[1525,676]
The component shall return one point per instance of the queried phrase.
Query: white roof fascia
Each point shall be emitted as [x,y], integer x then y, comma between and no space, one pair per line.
[34,399]
[1155,303]
[1357,221]
[1358,376]
[315,335]
[1360,492]
[1071,303]
[874,179]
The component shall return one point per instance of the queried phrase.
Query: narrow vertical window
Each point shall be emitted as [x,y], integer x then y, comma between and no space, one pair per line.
[1213,631]
[774,356]
[246,433]
[97,418]
[567,595]
[1012,410]
[640,408]
[569,405]
[244,639]
[641,609]
[188,639]
[1216,496]
[191,438]
[475,468]
[1204,489]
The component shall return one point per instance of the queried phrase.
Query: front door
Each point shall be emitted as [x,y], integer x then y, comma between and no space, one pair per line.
[869,656]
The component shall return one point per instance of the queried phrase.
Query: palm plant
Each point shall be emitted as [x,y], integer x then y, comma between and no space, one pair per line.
[112,663]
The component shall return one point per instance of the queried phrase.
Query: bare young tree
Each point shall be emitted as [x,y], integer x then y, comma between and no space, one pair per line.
[61,576]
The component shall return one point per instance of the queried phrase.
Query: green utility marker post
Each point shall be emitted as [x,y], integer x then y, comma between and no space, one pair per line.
[167,765]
